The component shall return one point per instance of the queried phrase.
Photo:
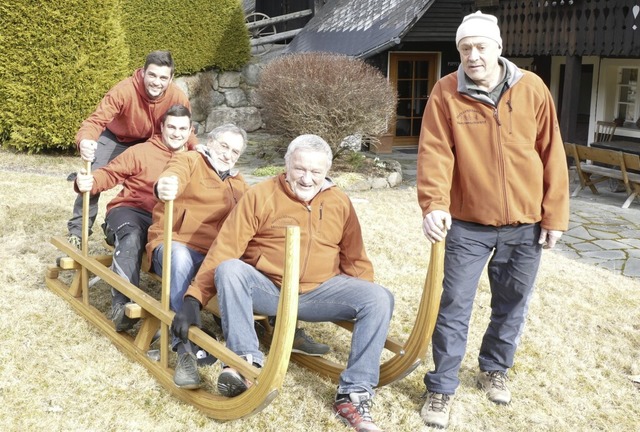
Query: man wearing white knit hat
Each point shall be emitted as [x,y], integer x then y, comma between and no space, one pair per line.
[492,179]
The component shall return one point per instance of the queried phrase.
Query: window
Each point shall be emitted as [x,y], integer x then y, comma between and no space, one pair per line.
[626,99]
[413,75]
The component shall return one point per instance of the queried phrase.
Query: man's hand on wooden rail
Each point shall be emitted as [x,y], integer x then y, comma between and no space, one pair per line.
[167,188]
[187,316]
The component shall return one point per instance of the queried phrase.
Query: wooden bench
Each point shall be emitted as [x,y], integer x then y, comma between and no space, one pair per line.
[595,165]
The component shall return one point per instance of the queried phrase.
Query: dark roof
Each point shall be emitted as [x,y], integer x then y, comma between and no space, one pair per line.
[359,28]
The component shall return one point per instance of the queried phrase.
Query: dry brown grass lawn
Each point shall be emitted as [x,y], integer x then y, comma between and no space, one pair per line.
[57,373]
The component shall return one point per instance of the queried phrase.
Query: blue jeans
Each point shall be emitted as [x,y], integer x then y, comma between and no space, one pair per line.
[514,256]
[185,263]
[243,290]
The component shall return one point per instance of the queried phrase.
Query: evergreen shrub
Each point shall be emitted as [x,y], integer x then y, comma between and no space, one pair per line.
[201,34]
[56,64]
[333,96]
[60,58]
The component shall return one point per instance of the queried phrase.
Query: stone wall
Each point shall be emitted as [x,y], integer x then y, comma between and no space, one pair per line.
[224,97]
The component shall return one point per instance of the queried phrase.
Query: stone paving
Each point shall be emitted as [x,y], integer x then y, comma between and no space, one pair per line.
[600,231]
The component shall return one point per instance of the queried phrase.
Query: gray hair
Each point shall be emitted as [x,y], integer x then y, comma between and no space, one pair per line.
[309,142]
[228,127]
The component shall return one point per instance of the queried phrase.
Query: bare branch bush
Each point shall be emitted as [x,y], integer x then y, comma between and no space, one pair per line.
[333,96]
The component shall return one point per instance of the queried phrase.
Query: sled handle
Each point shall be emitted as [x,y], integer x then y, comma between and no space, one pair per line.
[86,196]
[166,281]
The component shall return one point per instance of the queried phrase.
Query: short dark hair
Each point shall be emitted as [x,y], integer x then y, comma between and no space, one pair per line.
[177,110]
[160,58]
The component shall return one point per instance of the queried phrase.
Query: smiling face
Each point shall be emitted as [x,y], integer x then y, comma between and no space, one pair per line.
[175,131]
[225,150]
[479,58]
[156,80]
[306,171]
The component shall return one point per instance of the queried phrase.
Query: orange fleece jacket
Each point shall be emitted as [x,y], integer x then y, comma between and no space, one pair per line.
[136,169]
[127,111]
[330,237]
[494,165]
[203,203]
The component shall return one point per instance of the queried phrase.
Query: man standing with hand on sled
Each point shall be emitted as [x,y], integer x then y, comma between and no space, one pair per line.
[492,179]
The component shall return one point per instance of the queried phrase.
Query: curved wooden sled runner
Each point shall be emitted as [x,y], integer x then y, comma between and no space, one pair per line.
[156,315]
[406,356]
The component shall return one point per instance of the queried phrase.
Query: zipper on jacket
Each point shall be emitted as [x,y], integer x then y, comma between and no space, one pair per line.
[510,116]
[233,193]
[303,268]
[502,166]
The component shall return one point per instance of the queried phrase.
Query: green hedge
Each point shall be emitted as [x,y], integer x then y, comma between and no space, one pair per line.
[201,34]
[55,66]
[59,58]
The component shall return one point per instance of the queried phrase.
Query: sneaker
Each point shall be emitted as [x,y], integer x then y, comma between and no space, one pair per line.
[303,344]
[204,358]
[186,375]
[75,241]
[231,383]
[436,410]
[494,383]
[353,410]
[120,320]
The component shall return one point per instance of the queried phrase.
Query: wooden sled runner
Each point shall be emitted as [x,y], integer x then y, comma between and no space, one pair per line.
[156,315]
[409,355]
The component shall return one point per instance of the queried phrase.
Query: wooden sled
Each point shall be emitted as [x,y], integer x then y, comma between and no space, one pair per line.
[156,315]
[407,356]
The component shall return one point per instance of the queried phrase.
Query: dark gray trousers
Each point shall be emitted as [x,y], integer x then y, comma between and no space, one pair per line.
[128,226]
[108,149]
[514,255]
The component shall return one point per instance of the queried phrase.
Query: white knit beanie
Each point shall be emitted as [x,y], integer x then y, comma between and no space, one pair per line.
[479,24]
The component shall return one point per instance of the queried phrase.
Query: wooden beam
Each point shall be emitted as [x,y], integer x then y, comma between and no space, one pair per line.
[275,20]
[570,98]
[274,38]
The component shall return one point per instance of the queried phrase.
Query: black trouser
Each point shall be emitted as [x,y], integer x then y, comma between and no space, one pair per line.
[128,227]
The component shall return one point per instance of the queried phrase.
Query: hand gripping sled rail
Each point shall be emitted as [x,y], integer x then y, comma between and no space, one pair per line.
[156,315]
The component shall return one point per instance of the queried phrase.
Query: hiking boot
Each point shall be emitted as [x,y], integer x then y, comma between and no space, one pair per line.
[186,375]
[353,410]
[303,344]
[121,321]
[494,383]
[231,383]
[75,241]
[436,410]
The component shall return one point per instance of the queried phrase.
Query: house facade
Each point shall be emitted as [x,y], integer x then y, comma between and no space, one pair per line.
[587,51]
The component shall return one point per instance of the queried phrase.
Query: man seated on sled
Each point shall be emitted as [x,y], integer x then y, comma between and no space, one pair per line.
[129,213]
[204,187]
[245,265]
